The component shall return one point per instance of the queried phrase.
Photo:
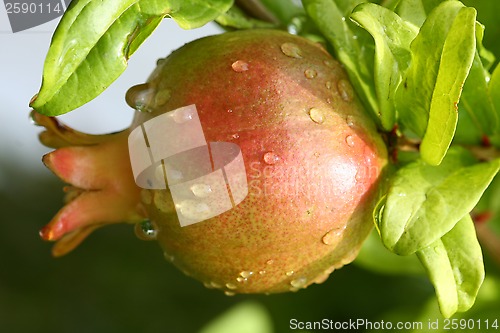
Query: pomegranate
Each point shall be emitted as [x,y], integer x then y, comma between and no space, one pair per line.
[313,160]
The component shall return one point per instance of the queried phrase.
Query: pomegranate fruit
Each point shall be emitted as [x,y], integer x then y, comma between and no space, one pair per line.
[313,160]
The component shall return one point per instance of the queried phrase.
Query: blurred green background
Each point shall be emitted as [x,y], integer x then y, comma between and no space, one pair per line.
[117,283]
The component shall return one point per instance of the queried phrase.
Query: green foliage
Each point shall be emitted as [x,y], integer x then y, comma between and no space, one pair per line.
[94,40]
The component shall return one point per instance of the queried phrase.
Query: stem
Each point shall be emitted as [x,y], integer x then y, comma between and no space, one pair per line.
[256,9]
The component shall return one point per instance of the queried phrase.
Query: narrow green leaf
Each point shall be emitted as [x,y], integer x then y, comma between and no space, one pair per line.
[442,54]
[351,49]
[424,202]
[455,267]
[94,40]
[456,60]
[392,53]
[494,92]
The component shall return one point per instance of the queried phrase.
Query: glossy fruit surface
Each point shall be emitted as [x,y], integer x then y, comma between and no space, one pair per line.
[312,157]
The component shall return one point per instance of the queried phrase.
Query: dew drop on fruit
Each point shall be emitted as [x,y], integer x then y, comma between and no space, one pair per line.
[162,97]
[299,282]
[235,136]
[328,63]
[183,115]
[246,274]
[231,286]
[145,230]
[201,190]
[194,210]
[270,262]
[241,279]
[239,66]
[316,115]
[332,236]
[291,50]
[349,140]
[215,285]
[350,121]
[328,84]
[310,73]
[139,97]
[229,293]
[262,272]
[289,273]
[271,158]
[345,90]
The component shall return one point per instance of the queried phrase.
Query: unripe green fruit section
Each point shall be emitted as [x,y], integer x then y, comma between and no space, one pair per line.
[313,160]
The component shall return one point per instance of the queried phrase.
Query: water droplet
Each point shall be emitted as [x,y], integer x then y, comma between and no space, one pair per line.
[328,63]
[310,73]
[194,210]
[145,230]
[299,282]
[289,273]
[215,285]
[201,190]
[33,118]
[207,285]
[316,115]
[239,66]
[229,110]
[229,293]
[328,84]
[291,50]
[246,274]
[146,197]
[350,121]
[345,90]
[139,97]
[182,115]
[321,278]
[241,279]
[349,140]
[170,258]
[270,262]
[235,136]
[231,286]
[271,158]
[343,18]
[262,272]
[162,97]
[174,175]
[332,236]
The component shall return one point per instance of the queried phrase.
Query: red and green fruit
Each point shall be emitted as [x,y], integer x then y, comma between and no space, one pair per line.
[313,159]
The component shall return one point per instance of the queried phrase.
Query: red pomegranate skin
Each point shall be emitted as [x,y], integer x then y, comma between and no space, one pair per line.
[312,155]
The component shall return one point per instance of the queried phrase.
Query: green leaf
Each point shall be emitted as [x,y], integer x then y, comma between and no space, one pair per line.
[442,54]
[94,40]
[494,92]
[455,267]
[351,46]
[392,53]
[415,11]
[375,257]
[424,202]
[248,317]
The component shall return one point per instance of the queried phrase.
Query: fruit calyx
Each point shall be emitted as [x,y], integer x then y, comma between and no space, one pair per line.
[102,189]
